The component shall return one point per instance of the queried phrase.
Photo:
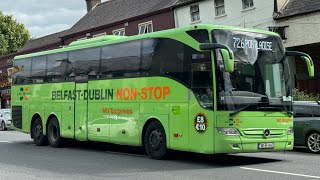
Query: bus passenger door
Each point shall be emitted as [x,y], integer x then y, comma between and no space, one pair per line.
[81,112]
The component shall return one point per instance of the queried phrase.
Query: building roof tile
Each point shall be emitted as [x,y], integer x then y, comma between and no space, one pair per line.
[114,11]
[297,7]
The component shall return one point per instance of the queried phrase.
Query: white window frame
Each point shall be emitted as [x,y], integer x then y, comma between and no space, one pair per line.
[100,34]
[195,13]
[251,4]
[216,7]
[118,32]
[84,38]
[146,27]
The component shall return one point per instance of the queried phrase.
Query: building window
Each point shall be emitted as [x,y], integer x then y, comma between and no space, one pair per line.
[195,13]
[100,34]
[10,73]
[82,39]
[145,27]
[247,4]
[281,30]
[219,7]
[119,32]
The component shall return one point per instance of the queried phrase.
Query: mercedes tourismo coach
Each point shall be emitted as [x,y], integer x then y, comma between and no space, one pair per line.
[206,89]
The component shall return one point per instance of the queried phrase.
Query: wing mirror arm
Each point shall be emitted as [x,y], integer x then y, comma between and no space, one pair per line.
[306,58]
[226,53]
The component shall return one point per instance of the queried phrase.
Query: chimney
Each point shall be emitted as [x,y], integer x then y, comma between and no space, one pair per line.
[91,4]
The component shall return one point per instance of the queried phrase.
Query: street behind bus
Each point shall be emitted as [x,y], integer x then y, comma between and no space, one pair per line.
[21,159]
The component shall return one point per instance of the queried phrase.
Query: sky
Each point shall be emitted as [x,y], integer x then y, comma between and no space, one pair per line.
[43,17]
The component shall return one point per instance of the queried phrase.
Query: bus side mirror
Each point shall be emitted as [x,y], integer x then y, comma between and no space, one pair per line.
[306,58]
[226,53]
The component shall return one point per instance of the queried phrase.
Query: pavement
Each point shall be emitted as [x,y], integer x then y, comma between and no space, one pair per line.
[21,159]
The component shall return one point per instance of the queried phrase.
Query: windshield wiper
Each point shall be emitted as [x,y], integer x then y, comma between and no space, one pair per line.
[278,108]
[239,110]
[264,100]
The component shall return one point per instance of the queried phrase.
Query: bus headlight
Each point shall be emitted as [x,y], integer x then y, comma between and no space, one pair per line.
[229,131]
[290,131]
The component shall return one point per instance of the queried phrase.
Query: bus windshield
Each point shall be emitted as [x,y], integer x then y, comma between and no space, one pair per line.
[261,75]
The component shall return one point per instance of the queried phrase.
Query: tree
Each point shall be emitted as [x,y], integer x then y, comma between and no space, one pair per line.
[13,35]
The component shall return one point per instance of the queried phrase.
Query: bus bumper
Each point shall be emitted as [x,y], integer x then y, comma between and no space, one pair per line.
[239,144]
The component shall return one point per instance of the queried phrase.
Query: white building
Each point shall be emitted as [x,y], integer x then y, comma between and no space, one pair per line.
[297,22]
[244,13]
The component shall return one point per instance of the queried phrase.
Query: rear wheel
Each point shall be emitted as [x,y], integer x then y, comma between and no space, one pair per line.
[3,126]
[155,140]
[54,133]
[313,142]
[37,133]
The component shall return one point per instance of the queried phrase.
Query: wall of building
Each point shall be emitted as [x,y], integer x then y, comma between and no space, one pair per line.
[302,30]
[260,16]
[160,21]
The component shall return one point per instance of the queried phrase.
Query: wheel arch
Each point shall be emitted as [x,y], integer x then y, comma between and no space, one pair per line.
[33,119]
[51,116]
[308,134]
[146,124]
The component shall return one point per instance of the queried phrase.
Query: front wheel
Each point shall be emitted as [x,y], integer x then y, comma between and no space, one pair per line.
[313,142]
[37,133]
[54,133]
[3,126]
[155,140]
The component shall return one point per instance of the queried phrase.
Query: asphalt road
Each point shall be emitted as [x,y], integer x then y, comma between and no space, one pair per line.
[21,159]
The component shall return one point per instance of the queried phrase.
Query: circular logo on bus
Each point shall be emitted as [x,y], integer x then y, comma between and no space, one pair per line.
[200,123]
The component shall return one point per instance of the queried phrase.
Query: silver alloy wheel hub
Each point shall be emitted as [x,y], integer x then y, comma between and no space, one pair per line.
[314,142]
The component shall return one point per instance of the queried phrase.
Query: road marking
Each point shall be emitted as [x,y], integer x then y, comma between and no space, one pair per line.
[6,142]
[279,172]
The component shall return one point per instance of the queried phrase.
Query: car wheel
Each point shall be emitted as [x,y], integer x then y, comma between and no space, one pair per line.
[37,133]
[155,140]
[313,142]
[3,126]
[54,133]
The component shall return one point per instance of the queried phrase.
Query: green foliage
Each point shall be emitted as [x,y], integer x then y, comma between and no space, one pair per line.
[13,35]
[304,96]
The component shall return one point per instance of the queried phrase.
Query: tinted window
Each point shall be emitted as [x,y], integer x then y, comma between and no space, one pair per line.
[22,68]
[84,64]
[121,60]
[57,66]
[316,112]
[38,69]
[302,111]
[202,36]
[166,57]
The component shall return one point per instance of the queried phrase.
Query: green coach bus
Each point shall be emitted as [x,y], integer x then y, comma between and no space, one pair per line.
[206,89]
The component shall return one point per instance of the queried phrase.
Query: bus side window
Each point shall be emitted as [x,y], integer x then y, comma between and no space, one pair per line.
[84,64]
[22,68]
[38,69]
[165,57]
[121,60]
[57,66]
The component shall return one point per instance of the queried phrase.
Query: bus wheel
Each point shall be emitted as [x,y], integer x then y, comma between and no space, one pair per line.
[54,133]
[155,140]
[37,133]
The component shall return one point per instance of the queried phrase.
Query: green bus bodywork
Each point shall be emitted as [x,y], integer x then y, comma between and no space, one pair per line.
[119,110]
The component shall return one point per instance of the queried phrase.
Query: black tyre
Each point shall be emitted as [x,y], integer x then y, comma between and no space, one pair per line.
[155,140]
[54,133]
[3,126]
[37,133]
[313,142]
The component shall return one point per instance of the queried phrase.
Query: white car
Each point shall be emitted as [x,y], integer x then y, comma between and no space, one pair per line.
[5,119]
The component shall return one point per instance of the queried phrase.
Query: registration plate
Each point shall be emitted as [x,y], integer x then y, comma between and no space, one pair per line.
[265,145]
